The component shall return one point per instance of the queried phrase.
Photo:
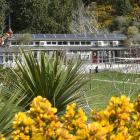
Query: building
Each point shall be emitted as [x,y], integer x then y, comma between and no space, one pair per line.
[92,48]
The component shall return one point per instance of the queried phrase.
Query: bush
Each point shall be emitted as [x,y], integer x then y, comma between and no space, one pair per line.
[119,121]
[132,30]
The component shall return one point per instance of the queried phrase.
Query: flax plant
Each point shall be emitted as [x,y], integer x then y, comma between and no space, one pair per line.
[9,105]
[52,78]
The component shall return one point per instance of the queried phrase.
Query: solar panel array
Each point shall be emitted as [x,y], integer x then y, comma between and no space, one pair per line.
[75,36]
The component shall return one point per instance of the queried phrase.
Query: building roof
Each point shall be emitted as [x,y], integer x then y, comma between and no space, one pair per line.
[94,37]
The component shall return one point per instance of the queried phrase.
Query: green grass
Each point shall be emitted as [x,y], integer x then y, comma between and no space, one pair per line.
[101,91]
[118,76]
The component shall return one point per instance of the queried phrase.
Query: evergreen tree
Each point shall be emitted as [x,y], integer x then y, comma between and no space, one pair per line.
[29,16]
[41,16]
[4,11]
[39,21]
[21,15]
[123,7]
[60,15]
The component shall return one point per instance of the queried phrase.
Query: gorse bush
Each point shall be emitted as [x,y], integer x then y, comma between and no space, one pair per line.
[119,121]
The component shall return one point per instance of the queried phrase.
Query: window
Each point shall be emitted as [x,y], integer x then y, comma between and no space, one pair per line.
[60,43]
[1,58]
[42,43]
[13,43]
[105,42]
[19,43]
[88,43]
[53,43]
[8,57]
[65,43]
[77,43]
[99,43]
[48,43]
[95,43]
[114,43]
[84,57]
[83,43]
[71,43]
[74,51]
[37,43]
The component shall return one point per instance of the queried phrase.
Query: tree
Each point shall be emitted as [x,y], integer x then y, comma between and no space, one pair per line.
[24,38]
[29,16]
[122,7]
[21,16]
[4,10]
[42,16]
[120,23]
[84,19]
[132,30]
[60,15]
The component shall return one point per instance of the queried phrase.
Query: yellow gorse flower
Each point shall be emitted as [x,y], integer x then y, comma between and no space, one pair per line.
[120,120]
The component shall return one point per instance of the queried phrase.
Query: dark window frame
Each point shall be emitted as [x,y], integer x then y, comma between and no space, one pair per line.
[71,42]
[77,43]
[60,43]
[48,43]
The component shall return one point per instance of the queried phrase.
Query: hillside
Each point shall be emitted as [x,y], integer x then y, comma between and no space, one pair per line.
[70,16]
[118,15]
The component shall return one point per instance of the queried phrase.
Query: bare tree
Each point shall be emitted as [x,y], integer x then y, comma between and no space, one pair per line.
[24,38]
[84,19]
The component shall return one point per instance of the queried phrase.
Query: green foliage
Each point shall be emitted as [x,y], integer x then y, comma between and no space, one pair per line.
[24,38]
[9,105]
[4,9]
[60,13]
[120,23]
[123,7]
[42,16]
[49,77]
[132,30]
[56,16]
[29,16]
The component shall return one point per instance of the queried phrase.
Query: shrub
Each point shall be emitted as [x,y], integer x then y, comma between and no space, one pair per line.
[50,78]
[120,120]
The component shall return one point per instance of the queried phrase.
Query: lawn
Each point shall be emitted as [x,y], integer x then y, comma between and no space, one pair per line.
[102,86]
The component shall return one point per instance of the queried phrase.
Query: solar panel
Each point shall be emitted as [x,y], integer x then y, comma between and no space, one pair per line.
[70,36]
[100,35]
[60,36]
[49,36]
[109,35]
[89,36]
[33,36]
[80,36]
[120,35]
[92,35]
[75,36]
[39,36]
